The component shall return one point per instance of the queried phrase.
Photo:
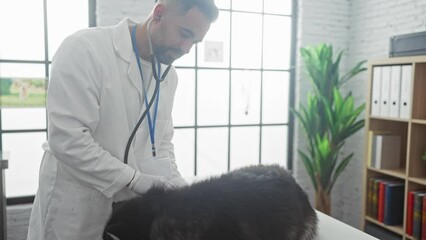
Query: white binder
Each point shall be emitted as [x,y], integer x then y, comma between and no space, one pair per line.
[385,92]
[375,91]
[405,100]
[395,90]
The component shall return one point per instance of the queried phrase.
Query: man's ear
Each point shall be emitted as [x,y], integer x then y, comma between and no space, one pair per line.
[159,11]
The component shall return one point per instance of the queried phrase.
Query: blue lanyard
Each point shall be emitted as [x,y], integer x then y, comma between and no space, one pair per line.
[151,124]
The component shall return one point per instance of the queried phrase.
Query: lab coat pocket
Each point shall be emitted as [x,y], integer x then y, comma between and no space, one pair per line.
[77,212]
[156,166]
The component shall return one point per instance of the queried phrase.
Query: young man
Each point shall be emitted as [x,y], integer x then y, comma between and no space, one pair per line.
[100,86]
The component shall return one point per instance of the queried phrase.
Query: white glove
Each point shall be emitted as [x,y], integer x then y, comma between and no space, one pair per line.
[178,182]
[141,182]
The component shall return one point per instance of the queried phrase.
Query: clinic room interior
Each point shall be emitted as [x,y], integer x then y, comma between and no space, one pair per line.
[327,92]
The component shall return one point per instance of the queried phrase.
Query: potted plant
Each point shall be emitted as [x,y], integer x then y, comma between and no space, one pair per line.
[328,119]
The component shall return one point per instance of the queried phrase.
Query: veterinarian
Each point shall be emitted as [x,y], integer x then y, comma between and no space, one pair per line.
[102,81]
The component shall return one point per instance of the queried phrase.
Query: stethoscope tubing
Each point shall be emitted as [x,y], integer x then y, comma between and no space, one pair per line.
[158,80]
[135,129]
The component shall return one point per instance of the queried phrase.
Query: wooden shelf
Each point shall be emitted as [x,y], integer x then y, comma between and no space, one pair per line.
[419,121]
[398,173]
[408,237]
[412,132]
[389,119]
[396,229]
[418,180]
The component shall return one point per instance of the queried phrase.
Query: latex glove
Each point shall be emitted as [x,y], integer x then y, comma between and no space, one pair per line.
[178,182]
[142,182]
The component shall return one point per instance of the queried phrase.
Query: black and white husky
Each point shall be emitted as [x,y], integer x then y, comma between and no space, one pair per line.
[251,203]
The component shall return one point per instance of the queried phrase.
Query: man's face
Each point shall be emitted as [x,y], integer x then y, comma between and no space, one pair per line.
[175,34]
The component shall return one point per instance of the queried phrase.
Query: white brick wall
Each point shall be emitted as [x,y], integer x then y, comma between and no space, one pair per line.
[110,12]
[362,28]
[318,21]
[367,26]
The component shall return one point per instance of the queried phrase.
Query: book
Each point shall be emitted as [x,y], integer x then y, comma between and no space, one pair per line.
[393,203]
[410,210]
[381,201]
[375,196]
[424,218]
[370,197]
[387,150]
[417,214]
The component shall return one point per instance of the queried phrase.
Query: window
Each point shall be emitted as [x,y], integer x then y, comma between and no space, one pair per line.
[232,103]
[233,99]
[27,46]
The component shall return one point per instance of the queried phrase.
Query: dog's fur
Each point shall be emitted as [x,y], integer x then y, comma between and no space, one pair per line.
[252,203]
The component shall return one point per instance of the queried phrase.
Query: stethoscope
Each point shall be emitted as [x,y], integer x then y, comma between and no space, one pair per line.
[156,72]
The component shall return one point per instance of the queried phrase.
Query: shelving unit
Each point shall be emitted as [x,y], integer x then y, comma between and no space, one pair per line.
[411,169]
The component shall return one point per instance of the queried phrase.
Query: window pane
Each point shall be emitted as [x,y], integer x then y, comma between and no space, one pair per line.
[22,70]
[244,5]
[246,40]
[212,151]
[277,42]
[274,145]
[23,171]
[213,51]
[275,97]
[278,6]
[23,118]
[187,60]
[22,30]
[245,97]
[213,97]
[184,105]
[244,146]
[183,140]
[64,18]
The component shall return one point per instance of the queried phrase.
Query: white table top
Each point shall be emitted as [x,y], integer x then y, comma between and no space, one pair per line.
[333,229]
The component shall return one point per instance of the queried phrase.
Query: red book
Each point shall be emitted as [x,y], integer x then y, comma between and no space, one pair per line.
[381,202]
[410,210]
[424,218]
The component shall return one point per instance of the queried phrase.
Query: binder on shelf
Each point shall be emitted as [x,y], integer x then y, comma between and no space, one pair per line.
[375,91]
[385,92]
[395,91]
[387,150]
[405,96]
[371,147]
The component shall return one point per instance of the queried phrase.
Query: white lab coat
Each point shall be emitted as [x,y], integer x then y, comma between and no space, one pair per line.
[95,98]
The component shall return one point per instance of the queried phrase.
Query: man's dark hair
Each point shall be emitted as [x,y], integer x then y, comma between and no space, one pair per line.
[207,7]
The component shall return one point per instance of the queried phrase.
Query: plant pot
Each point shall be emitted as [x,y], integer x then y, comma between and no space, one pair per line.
[322,202]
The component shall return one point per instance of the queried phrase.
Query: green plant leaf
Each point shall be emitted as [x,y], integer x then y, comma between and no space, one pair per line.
[329,117]
[309,168]
[342,165]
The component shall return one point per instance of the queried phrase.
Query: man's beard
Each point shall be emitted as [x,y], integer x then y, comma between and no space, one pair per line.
[167,55]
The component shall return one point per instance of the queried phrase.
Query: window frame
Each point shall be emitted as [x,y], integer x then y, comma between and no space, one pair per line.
[92,23]
[46,62]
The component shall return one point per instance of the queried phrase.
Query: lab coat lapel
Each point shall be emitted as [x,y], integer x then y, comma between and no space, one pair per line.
[123,46]
[135,77]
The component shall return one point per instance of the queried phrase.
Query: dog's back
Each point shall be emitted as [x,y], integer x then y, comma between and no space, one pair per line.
[252,203]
